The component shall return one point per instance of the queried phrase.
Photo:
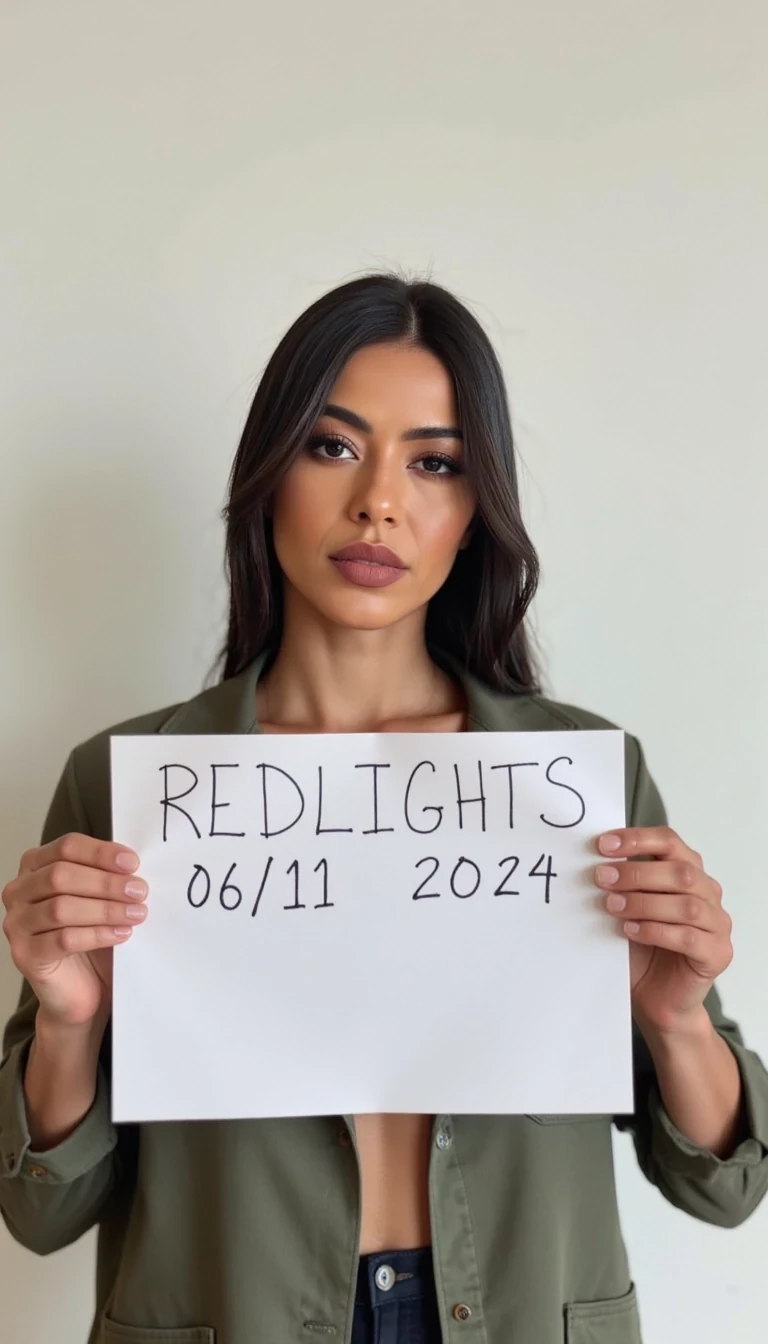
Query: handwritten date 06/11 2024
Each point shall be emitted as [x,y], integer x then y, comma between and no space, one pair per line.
[464,881]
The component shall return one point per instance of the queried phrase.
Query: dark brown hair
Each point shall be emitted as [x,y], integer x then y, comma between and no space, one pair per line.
[477,617]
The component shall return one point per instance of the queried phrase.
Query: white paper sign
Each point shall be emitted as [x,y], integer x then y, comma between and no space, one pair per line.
[370,922]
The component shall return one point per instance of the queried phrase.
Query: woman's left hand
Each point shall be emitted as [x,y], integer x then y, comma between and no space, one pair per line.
[671,912]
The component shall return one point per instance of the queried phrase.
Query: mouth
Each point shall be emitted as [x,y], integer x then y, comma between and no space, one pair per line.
[367,565]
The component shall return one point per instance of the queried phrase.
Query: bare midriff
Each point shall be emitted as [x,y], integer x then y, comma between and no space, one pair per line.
[394,1148]
[394,1161]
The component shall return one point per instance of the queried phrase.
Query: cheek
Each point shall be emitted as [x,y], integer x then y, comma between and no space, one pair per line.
[292,503]
[441,529]
[298,516]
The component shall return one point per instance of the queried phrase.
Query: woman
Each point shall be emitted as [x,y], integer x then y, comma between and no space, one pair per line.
[380,574]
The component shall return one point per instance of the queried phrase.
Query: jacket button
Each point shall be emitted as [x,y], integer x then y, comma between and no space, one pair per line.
[35,1171]
[443,1139]
[344,1138]
[461,1312]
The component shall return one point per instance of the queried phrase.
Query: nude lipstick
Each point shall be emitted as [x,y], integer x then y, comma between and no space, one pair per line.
[367,565]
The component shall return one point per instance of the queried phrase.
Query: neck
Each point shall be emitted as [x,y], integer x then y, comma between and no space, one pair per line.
[326,678]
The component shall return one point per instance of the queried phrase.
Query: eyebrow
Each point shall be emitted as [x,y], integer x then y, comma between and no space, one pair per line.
[421,432]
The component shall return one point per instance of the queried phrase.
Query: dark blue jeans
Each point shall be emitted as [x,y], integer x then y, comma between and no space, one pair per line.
[396,1301]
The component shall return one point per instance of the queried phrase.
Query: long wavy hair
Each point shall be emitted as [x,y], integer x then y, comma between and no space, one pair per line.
[478,616]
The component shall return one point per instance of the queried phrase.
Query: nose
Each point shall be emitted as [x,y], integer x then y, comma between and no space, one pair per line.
[376,495]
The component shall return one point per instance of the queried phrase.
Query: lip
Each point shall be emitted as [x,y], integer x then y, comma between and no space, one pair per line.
[368,565]
[370,554]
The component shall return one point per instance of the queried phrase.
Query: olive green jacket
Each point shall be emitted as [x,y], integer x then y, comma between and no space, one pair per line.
[247,1232]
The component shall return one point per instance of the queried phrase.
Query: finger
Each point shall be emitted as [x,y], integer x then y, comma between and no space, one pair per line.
[673,875]
[74,879]
[51,947]
[692,911]
[658,842]
[85,849]
[707,954]
[61,912]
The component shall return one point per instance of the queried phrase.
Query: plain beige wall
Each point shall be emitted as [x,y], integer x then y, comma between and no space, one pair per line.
[181,179]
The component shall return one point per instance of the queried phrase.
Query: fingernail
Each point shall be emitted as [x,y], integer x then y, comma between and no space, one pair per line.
[123,933]
[615,903]
[610,843]
[127,861]
[632,928]
[137,888]
[135,912]
[607,875]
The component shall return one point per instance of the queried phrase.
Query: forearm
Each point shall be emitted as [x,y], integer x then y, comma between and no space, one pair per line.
[60,1079]
[700,1084]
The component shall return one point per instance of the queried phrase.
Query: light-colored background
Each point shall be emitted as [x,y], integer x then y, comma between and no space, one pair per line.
[180,179]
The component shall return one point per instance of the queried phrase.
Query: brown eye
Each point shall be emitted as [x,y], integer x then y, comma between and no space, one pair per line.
[329,448]
[438,464]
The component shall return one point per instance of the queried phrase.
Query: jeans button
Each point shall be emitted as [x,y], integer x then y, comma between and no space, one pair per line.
[384,1277]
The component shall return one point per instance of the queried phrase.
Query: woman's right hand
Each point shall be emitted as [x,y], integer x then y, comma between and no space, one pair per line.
[70,904]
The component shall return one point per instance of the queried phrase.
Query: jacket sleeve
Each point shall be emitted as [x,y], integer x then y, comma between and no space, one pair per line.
[49,1199]
[723,1191]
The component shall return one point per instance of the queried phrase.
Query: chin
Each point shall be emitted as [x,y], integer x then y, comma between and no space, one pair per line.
[354,613]
[360,619]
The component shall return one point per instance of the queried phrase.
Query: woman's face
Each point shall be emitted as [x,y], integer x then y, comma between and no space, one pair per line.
[374,479]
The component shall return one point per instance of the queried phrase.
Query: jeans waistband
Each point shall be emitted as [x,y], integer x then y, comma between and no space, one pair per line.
[391,1276]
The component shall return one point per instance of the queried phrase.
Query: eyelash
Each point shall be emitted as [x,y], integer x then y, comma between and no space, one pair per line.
[454,467]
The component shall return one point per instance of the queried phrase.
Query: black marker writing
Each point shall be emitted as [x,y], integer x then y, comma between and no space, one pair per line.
[422,830]
[200,900]
[320,829]
[214,805]
[420,894]
[463,802]
[260,892]
[475,883]
[514,765]
[170,800]
[564,825]
[325,904]
[267,833]
[297,904]
[376,829]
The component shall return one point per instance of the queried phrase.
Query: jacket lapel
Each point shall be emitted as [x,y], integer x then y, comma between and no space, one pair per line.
[229,707]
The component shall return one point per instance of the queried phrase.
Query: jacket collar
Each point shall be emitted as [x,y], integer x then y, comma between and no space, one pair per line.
[230,706]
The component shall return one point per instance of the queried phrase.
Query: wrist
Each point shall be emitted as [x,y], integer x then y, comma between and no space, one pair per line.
[63,1036]
[60,1078]
[692,1031]
[700,1082]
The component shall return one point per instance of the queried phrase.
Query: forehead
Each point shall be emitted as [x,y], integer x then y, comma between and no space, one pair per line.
[394,383]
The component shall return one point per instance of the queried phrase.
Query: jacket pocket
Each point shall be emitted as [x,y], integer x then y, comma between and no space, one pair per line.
[576,1119]
[614,1320]
[112,1332]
